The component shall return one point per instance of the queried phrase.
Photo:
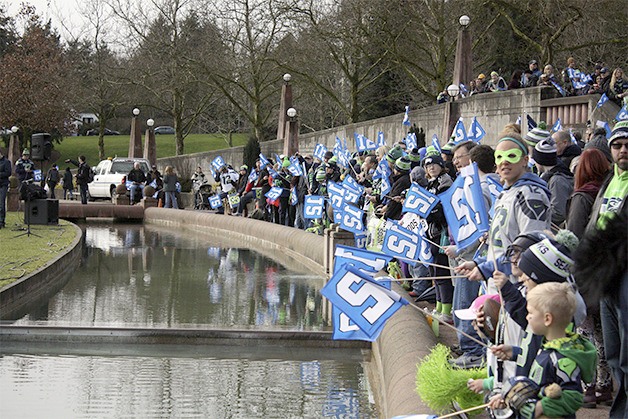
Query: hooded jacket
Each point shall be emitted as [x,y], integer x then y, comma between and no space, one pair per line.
[520,208]
[560,183]
[567,361]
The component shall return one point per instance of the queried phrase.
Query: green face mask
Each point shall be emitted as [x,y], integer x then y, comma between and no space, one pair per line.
[512,156]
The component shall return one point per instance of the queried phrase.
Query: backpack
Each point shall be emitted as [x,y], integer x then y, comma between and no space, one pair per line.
[90,176]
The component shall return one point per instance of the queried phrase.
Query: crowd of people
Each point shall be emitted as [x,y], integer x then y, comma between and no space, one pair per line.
[571,81]
[556,324]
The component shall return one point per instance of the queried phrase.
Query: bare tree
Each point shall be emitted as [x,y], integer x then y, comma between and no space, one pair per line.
[165,38]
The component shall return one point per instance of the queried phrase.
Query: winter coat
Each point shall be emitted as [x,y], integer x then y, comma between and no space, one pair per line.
[579,208]
[5,171]
[569,154]
[560,183]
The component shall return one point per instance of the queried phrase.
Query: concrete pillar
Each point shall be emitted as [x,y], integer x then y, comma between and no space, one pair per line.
[291,141]
[150,147]
[463,64]
[135,140]
[451,116]
[14,152]
[285,103]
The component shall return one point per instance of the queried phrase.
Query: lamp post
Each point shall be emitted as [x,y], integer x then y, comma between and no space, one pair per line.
[135,141]
[463,64]
[453,91]
[284,104]
[150,146]
[291,142]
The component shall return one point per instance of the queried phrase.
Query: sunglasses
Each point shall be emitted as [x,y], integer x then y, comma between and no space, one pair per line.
[512,156]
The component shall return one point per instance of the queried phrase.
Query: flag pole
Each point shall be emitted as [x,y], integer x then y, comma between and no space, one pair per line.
[424,311]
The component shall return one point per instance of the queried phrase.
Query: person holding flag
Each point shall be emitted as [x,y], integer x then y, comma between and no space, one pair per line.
[439,181]
[400,183]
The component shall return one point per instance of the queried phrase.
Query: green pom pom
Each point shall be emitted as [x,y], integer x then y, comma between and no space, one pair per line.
[542,125]
[567,239]
[438,383]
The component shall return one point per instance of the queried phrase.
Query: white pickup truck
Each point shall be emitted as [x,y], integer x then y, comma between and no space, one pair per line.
[109,174]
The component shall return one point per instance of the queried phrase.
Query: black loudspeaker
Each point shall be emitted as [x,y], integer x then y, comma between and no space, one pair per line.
[42,211]
[41,146]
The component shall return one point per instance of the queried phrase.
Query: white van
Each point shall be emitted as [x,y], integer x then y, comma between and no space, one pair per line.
[109,174]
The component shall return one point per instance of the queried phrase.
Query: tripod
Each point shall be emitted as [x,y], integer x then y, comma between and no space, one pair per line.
[27,202]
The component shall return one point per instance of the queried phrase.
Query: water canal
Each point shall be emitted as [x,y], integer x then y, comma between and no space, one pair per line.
[149,277]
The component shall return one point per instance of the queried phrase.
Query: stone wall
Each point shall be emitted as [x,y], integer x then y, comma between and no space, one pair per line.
[493,111]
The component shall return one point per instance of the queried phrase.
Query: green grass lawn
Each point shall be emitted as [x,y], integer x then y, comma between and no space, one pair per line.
[118,145]
[23,255]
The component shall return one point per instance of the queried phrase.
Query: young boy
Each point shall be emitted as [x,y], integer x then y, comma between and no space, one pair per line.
[564,359]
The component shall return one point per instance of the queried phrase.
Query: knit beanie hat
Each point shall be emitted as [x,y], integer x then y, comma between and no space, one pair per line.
[433,160]
[418,175]
[414,155]
[403,164]
[619,131]
[394,154]
[447,148]
[536,135]
[550,259]
[545,152]
[601,143]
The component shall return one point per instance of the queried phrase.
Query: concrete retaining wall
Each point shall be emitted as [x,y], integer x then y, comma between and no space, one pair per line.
[15,298]
[493,111]
[405,340]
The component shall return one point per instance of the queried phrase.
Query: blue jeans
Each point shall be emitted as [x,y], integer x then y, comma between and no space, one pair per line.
[465,291]
[3,203]
[83,189]
[171,200]
[420,271]
[616,348]
[134,189]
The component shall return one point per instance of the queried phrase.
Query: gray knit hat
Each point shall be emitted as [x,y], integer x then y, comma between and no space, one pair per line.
[545,152]
[601,143]
[534,136]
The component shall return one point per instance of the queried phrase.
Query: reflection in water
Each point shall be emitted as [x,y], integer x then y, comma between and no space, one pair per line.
[138,277]
[132,276]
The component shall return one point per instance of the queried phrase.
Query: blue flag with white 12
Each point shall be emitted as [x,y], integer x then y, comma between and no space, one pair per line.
[363,144]
[602,101]
[338,146]
[350,195]
[419,201]
[263,160]
[401,243]
[368,304]
[294,199]
[435,143]
[382,170]
[607,129]
[361,239]
[213,171]
[406,117]
[343,158]
[336,195]
[362,259]
[557,126]
[411,141]
[274,193]
[319,151]
[476,131]
[218,162]
[425,251]
[460,133]
[351,219]
[495,189]
[622,115]
[295,169]
[253,176]
[351,183]
[367,262]
[464,208]
[215,201]
[313,206]
[385,187]
[273,173]
[380,139]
